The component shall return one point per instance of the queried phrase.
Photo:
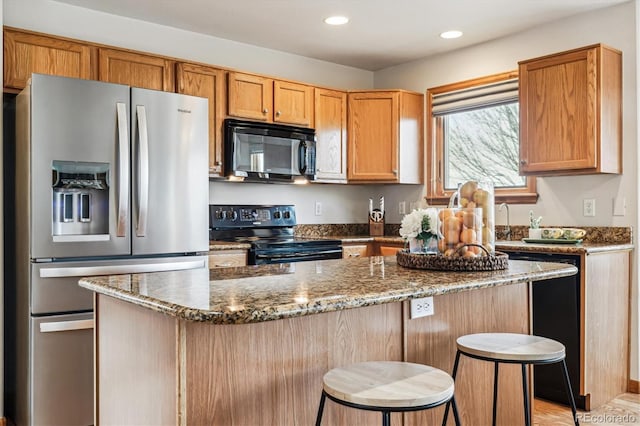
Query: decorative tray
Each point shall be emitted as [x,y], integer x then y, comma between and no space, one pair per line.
[439,262]
[551,241]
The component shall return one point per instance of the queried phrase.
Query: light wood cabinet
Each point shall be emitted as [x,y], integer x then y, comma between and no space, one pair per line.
[571,112]
[386,141]
[330,111]
[207,82]
[227,258]
[136,69]
[603,320]
[250,96]
[260,98]
[355,250]
[26,53]
[388,249]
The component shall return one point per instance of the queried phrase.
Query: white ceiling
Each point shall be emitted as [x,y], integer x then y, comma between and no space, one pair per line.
[381,33]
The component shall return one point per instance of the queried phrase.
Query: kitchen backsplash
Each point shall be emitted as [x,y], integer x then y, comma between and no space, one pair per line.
[595,234]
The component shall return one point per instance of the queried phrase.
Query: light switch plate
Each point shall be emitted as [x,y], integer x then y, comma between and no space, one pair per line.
[619,206]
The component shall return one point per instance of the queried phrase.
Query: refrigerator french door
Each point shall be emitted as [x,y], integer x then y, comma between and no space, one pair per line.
[109,180]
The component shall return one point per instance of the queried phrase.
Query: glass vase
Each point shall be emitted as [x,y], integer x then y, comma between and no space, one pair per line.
[461,232]
[472,194]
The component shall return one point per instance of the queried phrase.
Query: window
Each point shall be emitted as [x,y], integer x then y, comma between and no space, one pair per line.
[473,135]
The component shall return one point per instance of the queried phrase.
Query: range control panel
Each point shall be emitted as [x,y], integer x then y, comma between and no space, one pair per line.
[251,216]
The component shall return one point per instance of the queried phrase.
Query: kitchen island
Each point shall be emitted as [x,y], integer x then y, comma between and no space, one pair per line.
[249,345]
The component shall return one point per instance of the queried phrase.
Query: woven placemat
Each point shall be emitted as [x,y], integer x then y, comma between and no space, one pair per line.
[492,262]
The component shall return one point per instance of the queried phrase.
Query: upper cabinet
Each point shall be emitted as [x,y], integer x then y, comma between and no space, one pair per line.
[207,82]
[26,53]
[136,69]
[571,112]
[385,136]
[330,111]
[259,98]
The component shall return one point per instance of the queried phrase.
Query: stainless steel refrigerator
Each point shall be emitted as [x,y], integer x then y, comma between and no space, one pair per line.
[109,179]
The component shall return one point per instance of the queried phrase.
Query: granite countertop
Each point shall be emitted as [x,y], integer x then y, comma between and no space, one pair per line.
[582,248]
[253,294]
[224,245]
[504,245]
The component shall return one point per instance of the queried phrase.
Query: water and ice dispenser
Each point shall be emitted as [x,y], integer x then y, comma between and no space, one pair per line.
[80,198]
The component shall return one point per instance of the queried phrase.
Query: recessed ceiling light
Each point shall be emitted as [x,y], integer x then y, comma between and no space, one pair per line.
[451,34]
[336,20]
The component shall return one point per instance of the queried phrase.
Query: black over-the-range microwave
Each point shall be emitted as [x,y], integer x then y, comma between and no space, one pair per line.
[268,152]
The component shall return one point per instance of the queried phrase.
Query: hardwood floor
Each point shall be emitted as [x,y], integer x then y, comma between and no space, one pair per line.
[622,410]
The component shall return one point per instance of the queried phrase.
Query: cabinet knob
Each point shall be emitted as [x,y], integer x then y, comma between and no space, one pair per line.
[218,163]
[277,113]
[395,171]
[265,111]
[523,162]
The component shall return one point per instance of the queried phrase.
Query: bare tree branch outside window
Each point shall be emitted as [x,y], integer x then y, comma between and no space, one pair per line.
[482,144]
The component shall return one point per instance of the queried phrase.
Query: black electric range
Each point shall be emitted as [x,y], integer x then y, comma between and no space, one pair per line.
[269,229]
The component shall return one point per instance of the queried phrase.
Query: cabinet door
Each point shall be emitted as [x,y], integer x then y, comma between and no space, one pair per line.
[566,125]
[292,103]
[227,258]
[135,69]
[250,96]
[26,53]
[389,250]
[356,250]
[331,134]
[373,136]
[207,82]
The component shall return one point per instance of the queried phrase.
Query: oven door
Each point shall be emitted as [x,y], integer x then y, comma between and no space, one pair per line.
[293,254]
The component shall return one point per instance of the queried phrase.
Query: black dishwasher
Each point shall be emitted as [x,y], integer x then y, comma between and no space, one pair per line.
[556,315]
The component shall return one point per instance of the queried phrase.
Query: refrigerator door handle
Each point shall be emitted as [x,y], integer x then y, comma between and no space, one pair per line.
[83,271]
[143,172]
[52,327]
[123,169]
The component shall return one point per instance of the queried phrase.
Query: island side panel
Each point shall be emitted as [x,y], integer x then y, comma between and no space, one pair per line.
[271,373]
[606,326]
[136,365]
[432,340]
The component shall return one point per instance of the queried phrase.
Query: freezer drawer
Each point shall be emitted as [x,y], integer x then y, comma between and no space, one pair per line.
[55,289]
[61,370]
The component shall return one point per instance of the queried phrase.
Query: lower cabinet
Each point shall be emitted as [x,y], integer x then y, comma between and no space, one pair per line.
[388,249]
[355,250]
[227,258]
[591,320]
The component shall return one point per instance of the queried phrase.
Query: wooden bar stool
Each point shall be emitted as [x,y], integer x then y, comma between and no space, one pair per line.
[387,386]
[512,348]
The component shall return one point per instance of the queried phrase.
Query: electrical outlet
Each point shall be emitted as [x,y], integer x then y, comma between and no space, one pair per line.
[318,208]
[422,307]
[589,207]
[402,207]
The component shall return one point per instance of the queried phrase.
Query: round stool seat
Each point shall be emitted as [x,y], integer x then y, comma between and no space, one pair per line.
[511,347]
[389,384]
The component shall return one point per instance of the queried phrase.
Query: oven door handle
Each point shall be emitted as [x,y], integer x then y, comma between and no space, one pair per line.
[298,254]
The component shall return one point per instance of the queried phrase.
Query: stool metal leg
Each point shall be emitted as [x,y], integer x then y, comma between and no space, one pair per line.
[321,408]
[386,418]
[567,384]
[525,392]
[495,393]
[453,375]
[456,417]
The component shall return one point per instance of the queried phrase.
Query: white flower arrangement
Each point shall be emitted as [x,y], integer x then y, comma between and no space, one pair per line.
[420,224]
